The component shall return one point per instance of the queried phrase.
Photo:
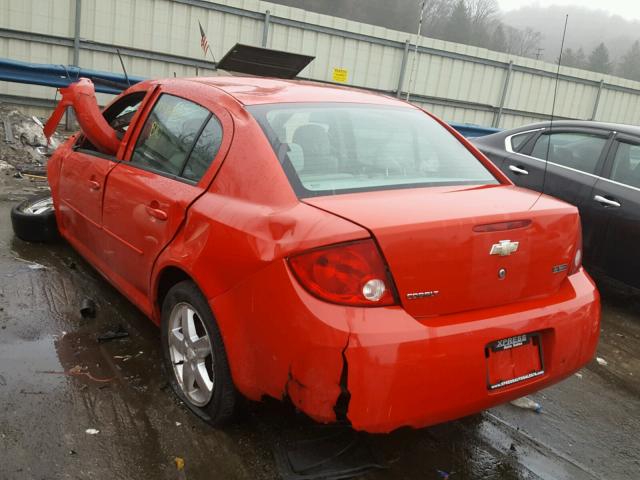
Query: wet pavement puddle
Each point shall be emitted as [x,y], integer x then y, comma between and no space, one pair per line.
[57,382]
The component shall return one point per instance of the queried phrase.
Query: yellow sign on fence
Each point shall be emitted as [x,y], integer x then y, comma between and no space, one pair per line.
[340,75]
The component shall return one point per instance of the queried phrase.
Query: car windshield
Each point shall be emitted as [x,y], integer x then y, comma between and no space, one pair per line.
[338,148]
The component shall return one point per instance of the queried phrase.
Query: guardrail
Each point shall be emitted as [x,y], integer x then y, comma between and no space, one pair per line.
[59,76]
[62,75]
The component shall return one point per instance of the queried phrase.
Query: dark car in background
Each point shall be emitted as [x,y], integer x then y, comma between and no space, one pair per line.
[593,165]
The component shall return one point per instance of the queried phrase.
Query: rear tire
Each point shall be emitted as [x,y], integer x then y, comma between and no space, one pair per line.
[34,220]
[194,355]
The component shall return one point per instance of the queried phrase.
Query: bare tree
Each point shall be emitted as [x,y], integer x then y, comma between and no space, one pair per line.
[482,12]
[522,42]
[436,13]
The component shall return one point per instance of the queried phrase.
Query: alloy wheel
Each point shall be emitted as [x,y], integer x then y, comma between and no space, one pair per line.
[191,354]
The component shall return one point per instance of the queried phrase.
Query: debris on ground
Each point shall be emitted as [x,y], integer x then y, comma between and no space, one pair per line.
[92,431]
[341,453]
[527,404]
[579,375]
[120,332]
[37,266]
[24,149]
[88,308]
[77,371]
[179,461]
[602,361]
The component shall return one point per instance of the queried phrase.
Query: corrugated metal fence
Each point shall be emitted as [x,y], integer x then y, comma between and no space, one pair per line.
[160,38]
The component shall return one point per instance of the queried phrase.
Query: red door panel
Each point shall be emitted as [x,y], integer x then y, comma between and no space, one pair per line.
[142,212]
[81,188]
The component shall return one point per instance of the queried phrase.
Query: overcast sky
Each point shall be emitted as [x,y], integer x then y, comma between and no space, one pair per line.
[629,9]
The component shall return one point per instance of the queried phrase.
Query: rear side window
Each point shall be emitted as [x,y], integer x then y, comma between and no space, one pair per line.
[626,164]
[338,148]
[204,150]
[580,151]
[518,141]
[169,134]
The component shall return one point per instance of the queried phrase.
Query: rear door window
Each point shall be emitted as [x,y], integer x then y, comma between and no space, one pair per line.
[577,150]
[626,164]
[204,151]
[169,134]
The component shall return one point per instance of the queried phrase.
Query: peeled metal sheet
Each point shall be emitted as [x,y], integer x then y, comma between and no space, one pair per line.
[264,62]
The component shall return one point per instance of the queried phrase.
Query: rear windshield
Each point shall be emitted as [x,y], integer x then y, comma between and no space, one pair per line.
[337,148]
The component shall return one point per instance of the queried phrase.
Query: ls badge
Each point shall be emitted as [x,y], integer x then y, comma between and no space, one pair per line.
[504,248]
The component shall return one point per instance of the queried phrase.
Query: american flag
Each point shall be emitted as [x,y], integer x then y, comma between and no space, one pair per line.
[204,43]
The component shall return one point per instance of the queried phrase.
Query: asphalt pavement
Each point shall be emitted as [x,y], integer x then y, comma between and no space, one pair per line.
[74,408]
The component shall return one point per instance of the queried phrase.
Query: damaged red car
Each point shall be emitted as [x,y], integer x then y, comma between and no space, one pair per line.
[341,249]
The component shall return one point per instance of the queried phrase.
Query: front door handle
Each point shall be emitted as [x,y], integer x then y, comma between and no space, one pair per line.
[156,212]
[518,170]
[605,201]
[94,185]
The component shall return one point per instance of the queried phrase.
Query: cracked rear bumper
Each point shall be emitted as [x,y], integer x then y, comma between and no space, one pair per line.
[402,371]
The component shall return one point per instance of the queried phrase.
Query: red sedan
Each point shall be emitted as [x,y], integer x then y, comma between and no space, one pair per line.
[343,249]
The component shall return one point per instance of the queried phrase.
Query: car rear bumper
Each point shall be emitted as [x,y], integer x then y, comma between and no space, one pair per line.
[438,372]
[385,367]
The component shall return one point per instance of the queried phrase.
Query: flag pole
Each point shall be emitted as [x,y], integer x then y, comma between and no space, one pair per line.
[215,65]
[204,43]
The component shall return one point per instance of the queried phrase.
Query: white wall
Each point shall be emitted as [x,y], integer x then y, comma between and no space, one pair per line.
[457,82]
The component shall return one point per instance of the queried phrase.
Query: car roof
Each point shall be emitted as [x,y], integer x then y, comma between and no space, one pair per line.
[259,90]
[618,127]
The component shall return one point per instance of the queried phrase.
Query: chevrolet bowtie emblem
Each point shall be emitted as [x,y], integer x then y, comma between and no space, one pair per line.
[504,248]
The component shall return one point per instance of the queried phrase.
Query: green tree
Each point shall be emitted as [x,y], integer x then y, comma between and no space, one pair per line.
[629,66]
[569,57]
[459,24]
[581,58]
[498,39]
[599,59]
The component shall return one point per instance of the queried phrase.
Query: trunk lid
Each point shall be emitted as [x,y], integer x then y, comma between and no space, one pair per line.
[431,243]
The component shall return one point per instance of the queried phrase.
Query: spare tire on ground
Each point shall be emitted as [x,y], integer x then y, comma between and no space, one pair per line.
[34,219]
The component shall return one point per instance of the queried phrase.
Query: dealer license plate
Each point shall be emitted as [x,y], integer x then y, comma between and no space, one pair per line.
[513,360]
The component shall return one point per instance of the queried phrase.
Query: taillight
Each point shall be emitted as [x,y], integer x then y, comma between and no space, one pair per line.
[576,262]
[350,274]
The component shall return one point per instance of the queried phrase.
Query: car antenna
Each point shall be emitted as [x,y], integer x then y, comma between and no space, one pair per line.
[553,106]
[126,77]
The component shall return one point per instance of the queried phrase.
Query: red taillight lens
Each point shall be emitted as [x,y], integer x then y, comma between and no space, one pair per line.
[350,274]
[576,262]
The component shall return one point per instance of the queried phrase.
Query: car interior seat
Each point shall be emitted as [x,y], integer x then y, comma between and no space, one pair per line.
[315,146]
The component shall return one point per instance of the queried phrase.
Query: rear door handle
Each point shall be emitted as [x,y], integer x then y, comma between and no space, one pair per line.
[94,185]
[157,213]
[605,201]
[518,170]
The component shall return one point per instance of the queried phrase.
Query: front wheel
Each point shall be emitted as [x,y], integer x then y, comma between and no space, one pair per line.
[194,354]
[34,219]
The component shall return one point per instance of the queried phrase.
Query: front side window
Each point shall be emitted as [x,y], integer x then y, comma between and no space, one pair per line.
[169,134]
[580,151]
[338,148]
[626,164]
[118,115]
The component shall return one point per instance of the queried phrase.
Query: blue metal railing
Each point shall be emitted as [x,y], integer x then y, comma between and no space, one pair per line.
[58,76]
[62,75]
[472,131]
